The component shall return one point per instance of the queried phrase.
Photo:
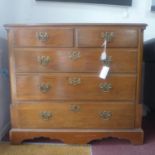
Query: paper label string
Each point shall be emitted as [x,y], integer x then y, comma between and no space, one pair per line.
[105,69]
[104,52]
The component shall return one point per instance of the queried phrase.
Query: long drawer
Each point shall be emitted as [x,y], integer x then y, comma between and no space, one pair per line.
[71,115]
[75,87]
[74,60]
[43,37]
[116,37]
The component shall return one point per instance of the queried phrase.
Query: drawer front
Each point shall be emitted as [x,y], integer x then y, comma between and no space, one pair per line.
[74,60]
[117,37]
[75,87]
[86,115]
[46,37]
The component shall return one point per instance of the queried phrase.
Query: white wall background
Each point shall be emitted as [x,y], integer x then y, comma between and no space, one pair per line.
[7,14]
[30,11]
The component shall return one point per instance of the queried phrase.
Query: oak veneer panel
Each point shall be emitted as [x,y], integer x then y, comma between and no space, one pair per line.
[122,60]
[93,37]
[62,37]
[28,87]
[88,116]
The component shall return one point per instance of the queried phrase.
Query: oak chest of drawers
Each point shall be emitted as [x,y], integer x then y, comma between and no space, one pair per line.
[55,85]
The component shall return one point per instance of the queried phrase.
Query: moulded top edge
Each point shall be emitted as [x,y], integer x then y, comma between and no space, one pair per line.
[75,24]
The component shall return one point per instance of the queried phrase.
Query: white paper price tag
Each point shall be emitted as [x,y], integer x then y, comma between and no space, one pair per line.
[104,72]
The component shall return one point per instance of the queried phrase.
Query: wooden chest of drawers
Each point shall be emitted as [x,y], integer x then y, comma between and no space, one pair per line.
[55,85]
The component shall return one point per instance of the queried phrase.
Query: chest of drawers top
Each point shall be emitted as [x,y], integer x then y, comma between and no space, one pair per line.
[76,35]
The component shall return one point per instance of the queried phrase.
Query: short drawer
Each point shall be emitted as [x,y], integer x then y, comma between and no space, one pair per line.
[43,37]
[75,87]
[74,60]
[63,115]
[116,37]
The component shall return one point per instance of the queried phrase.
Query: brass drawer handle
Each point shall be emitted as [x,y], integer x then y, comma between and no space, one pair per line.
[42,36]
[106,115]
[44,88]
[105,86]
[74,81]
[45,115]
[75,108]
[74,55]
[43,60]
[107,61]
[107,36]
